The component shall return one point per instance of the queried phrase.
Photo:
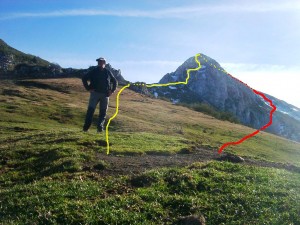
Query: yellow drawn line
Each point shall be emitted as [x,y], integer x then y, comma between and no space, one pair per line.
[116,113]
[149,85]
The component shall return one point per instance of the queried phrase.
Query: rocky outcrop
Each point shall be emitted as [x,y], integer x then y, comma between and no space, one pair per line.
[34,71]
[5,62]
[117,74]
[140,87]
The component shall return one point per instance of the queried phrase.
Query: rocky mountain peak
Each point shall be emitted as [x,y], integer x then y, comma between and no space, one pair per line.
[213,86]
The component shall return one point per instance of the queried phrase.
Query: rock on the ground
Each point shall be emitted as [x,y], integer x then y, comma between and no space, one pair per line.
[192,220]
[231,158]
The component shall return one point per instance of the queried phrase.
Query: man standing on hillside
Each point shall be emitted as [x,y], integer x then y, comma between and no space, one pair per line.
[102,85]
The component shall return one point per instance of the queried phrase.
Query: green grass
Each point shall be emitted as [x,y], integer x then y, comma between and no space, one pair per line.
[144,142]
[209,110]
[49,168]
[224,193]
[38,125]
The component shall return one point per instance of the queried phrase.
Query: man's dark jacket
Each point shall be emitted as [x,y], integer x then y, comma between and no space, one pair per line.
[101,81]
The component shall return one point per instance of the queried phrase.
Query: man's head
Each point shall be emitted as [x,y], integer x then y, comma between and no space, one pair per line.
[101,62]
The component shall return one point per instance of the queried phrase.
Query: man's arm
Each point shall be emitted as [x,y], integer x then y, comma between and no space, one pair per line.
[85,79]
[114,81]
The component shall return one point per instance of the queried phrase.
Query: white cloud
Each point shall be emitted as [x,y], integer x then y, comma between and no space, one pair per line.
[175,12]
[277,80]
[256,67]
[77,12]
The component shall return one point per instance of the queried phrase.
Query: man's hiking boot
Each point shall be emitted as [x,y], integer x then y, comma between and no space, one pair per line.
[88,119]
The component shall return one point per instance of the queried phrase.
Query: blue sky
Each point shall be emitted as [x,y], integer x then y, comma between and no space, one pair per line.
[256,41]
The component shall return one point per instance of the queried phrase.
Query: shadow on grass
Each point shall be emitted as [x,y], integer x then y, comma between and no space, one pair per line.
[38,165]
[36,84]
[56,161]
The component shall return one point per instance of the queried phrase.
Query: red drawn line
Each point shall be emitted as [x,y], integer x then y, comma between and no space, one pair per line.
[272,111]
[257,131]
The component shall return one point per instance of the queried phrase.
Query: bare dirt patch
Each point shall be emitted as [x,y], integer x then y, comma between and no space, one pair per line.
[136,164]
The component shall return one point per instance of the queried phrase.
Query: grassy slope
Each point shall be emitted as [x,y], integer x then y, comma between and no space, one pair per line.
[43,156]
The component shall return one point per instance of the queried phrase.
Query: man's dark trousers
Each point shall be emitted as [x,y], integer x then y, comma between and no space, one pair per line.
[95,98]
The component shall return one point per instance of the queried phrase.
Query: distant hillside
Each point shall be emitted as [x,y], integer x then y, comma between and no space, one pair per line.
[213,87]
[16,64]
[10,57]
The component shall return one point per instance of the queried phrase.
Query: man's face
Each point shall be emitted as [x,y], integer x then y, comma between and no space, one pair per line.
[101,64]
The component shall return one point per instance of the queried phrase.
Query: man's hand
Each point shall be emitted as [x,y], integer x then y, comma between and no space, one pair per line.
[109,93]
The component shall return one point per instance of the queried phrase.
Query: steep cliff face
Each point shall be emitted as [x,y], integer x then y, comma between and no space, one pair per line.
[213,86]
